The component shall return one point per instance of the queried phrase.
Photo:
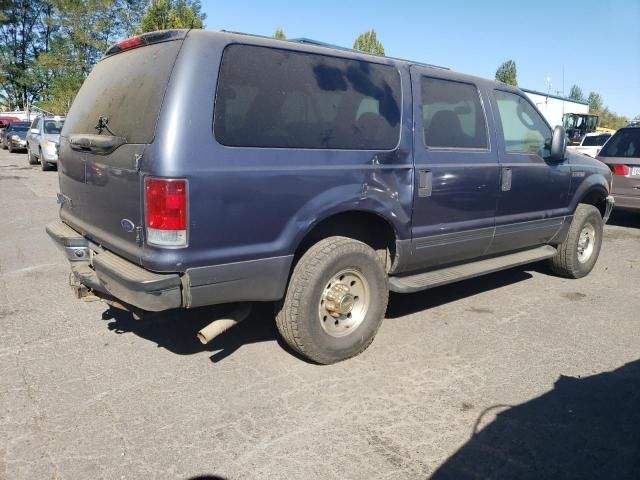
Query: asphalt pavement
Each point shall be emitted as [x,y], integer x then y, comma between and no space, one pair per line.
[519,374]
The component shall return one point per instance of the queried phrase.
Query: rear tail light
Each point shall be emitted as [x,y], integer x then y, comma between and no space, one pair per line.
[166,211]
[620,169]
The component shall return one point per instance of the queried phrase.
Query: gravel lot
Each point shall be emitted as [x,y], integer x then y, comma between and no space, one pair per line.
[515,375]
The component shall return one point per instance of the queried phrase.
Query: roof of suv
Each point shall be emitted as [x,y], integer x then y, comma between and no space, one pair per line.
[315,46]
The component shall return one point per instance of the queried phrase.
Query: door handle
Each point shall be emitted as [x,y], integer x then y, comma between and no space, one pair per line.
[425,183]
[506,179]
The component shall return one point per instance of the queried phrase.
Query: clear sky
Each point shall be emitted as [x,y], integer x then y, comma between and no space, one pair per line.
[597,42]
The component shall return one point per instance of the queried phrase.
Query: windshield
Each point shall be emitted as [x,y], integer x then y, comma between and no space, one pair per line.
[20,128]
[588,122]
[625,143]
[595,140]
[53,126]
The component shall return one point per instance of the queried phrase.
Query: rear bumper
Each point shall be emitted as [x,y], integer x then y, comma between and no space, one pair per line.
[104,272]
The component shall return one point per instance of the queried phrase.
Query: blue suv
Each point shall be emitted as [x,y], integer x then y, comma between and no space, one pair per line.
[200,168]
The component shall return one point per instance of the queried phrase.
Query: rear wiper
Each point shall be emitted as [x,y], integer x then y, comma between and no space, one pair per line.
[103,125]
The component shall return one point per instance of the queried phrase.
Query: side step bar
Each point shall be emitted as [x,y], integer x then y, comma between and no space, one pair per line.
[435,278]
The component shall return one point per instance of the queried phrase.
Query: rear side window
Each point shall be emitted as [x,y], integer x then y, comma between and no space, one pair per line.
[595,140]
[452,115]
[282,99]
[128,89]
[624,143]
[523,128]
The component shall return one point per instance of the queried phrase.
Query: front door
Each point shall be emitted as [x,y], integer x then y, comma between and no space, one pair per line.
[456,170]
[534,192]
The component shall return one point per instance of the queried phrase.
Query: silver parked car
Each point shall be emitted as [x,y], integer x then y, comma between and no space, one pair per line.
[42,141]
[622,154]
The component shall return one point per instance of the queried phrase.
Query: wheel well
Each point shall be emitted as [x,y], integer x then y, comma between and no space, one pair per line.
[598,199]
[366,227]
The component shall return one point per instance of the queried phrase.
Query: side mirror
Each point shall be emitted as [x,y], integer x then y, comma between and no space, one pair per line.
[558,144]
[34,131]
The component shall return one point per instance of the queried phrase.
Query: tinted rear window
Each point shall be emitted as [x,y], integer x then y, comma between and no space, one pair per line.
[625,143]
[20,128]
[128,89]
[282,99]
[595,140]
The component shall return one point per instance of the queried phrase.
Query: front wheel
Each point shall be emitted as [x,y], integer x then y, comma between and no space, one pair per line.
[578,254]
[31,157]
[335,302]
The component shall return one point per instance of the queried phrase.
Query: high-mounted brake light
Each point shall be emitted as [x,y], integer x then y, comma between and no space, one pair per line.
[620,169]
[146,39]
[166,211]
[130,43]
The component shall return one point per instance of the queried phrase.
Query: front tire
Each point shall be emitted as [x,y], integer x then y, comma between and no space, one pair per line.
[43,163]
[335,302]
[578,254]
[31,157]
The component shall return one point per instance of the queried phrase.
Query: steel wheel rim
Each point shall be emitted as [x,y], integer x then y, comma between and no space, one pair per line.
[586,243]
[344,302]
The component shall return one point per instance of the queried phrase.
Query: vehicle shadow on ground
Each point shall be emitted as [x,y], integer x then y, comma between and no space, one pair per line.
[625,218]
[585,428]
[176,330]
[407,304]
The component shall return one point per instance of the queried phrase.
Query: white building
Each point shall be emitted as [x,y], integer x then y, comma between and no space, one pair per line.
[553,107]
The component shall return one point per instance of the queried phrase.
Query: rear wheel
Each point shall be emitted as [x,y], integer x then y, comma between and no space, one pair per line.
[336,300]
[578,254]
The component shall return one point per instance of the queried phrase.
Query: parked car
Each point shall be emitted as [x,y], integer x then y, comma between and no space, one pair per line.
[5,122]
[622,154]
[317,178]
[591,143]
[14,136]
[42,141]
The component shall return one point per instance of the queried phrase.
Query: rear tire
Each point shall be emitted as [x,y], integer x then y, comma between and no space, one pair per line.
[578,254]
[335,302]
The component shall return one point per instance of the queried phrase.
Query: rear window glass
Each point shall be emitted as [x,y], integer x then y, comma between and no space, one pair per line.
[452,115]
[595,140]
[128,89]
[625,143]
[282,99]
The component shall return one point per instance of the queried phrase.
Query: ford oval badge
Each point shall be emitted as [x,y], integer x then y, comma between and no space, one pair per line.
[127,225]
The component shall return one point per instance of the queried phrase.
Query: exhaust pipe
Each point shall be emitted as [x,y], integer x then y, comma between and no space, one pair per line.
[221,325]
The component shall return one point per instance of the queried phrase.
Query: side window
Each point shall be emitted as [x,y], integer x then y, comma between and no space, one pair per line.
[452,115]
[34,124]
[276,98]
[524,129]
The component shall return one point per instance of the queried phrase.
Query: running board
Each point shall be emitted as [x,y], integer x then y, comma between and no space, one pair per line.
[435,278]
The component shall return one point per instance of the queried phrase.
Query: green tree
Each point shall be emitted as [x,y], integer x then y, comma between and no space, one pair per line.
[507,73]
[23,37]
[279,34]
[165,14]
[576,94]
[595,102]
[368,42]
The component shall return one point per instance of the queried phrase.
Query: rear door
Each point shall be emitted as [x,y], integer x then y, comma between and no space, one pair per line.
[456,170]
[111,121]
